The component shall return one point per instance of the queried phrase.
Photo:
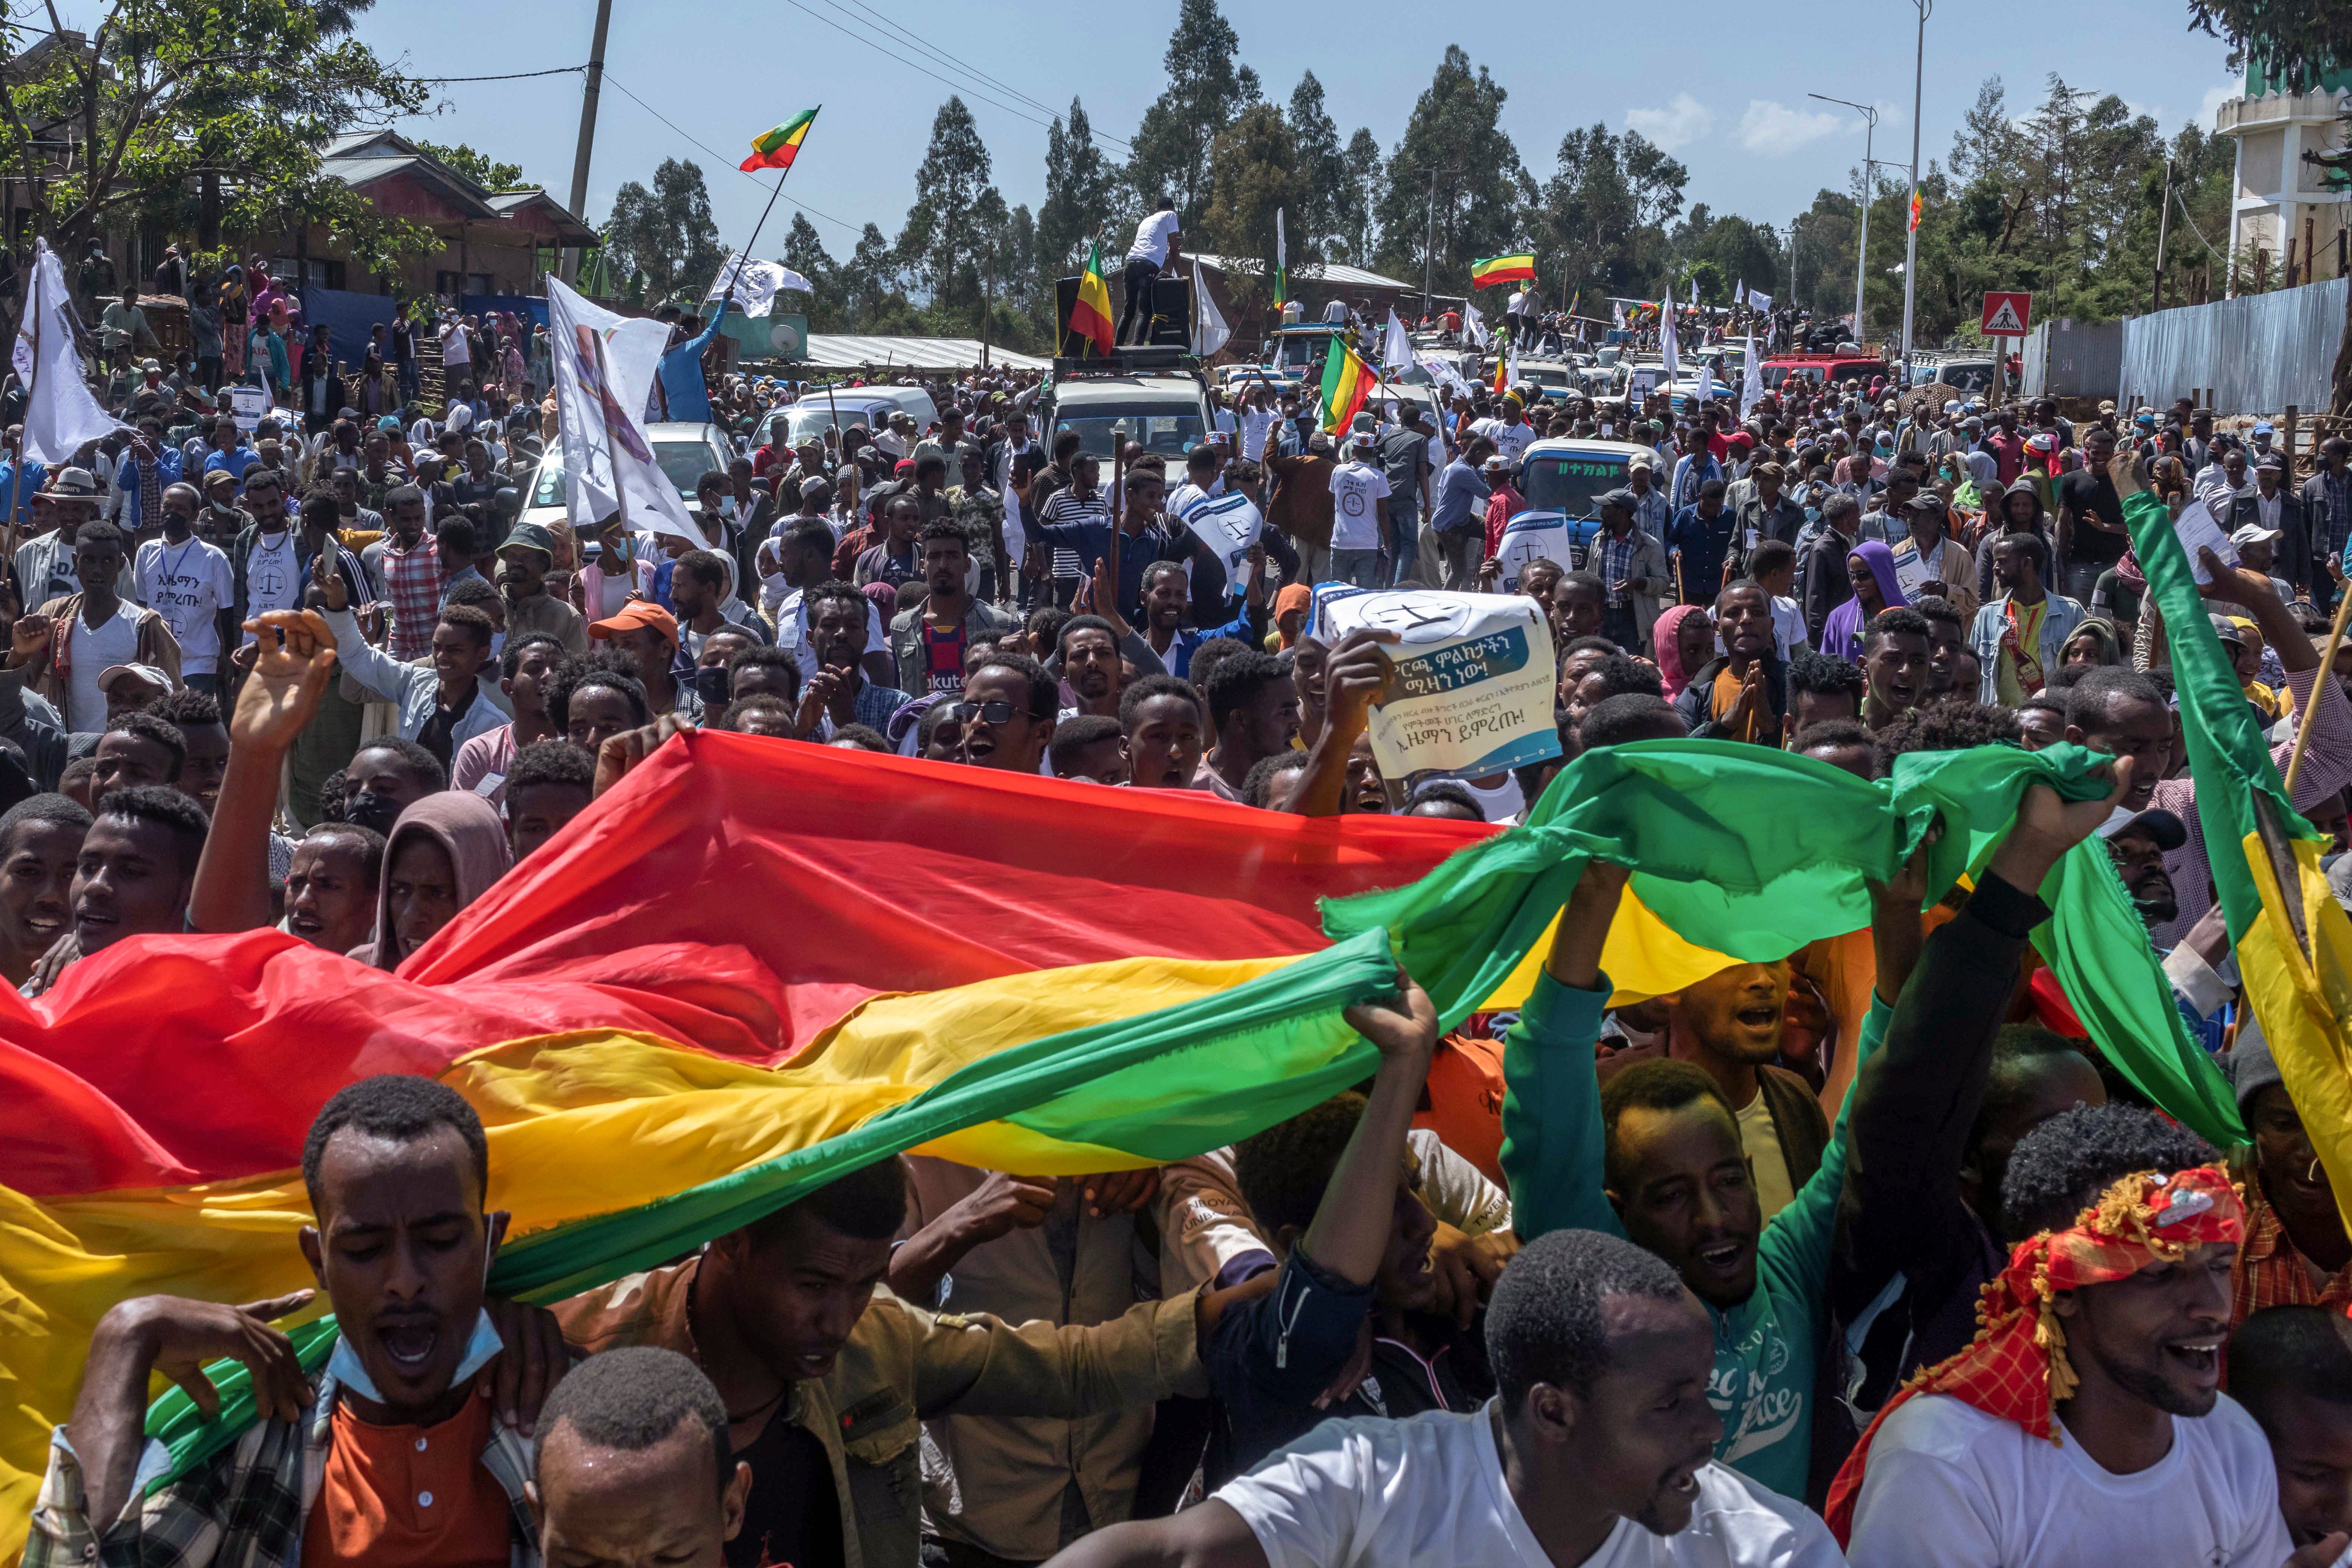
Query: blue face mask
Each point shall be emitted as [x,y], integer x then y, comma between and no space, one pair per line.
[345,1368]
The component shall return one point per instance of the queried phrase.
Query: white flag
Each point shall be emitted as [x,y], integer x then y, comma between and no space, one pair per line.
[1740,292]
[754,290]
[1210,333]
[1757,301]
[1281,248]
[62,417]
[607,464]
[1617,314]
[1396,347]
[1752,385]
[1668,350]
[1513,380]
[1474,326]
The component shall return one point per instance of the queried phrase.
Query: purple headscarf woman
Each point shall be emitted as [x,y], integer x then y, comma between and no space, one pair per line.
[1871,567]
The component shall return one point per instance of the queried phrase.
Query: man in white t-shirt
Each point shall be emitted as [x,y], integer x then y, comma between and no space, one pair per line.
[1597,1451]
[1511,434]
[1159,239]
[1514,321]
[456,347]
[1359,521]
[188,583]
[2115,1444]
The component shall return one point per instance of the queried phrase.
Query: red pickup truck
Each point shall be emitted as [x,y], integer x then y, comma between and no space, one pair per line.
[1820,369]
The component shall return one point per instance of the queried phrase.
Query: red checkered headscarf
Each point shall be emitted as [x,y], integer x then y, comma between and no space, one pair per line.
[2016,1367]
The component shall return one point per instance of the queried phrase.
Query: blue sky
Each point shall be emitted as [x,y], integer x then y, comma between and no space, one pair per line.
[1731,105]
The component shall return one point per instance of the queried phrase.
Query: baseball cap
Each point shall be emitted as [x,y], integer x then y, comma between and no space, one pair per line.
[146,674]
[2272,460]
[150,367]
[2255,533]
[75,482]
[2158,824]
[634,614]
[530,536]
[2227,629]
[2263,427]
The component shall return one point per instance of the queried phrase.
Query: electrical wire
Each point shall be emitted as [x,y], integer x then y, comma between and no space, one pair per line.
[723,157]
[513,76]
[954,64]
[2191,221]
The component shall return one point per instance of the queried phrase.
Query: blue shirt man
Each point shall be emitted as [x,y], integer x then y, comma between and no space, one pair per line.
[1702,534]
[681,377]
[1461,498]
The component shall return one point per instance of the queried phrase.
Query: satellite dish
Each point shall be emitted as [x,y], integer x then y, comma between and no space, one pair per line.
[785,337]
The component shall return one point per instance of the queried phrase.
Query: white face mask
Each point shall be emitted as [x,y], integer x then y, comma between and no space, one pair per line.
[343,1365]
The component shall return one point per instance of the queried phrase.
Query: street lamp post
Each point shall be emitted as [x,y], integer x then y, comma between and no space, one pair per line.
[1911,242]
[1861,251]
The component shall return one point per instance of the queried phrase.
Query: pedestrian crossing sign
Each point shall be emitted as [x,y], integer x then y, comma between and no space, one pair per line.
[2006,314]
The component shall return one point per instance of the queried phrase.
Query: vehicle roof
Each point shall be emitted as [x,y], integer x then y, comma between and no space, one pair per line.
[681,429]
[1578,446]
[1864,358]
[1124,388]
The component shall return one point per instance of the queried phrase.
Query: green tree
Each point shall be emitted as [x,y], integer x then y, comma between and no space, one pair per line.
[1255,167]
[1481,187]
[207,118]
[1317,142]
[1600,219]
[873,298]
[1078,185]
[478,168]
[1359,194]
[805,254]
[1205,91]
[666,233]
[937,242]
[2293,42]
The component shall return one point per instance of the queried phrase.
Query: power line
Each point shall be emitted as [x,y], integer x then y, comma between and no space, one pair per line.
[913,65]
[723,157]
[969,69]
[513,76]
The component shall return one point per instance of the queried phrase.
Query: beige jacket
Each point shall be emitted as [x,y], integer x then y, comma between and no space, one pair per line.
[903,1365]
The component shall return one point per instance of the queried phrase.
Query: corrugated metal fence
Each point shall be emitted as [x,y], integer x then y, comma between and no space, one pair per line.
[2251,355]
[2067,358]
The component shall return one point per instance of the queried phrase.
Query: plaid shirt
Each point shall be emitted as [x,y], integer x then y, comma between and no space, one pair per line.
[2270,1272]
[247,1506]
[1613,559]
[413,582]
[2334,523]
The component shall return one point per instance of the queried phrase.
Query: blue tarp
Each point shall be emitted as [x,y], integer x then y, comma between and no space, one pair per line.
[531,306]
[348,317]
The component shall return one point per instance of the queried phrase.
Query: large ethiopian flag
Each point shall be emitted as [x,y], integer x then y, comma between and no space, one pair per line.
[776,149]
[755,964]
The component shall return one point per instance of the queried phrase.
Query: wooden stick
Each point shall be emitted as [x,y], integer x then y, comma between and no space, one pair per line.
[2327,668]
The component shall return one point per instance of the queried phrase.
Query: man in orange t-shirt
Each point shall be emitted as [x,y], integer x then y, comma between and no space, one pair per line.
[411,1432]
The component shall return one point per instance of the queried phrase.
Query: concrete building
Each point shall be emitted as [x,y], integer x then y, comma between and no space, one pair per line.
[2284,211]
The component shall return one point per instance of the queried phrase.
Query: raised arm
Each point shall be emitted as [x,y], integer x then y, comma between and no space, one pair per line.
[276,703]
[1354,678]
[1553,1141]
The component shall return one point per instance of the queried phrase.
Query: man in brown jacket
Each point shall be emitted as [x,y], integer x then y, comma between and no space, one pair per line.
[77,637]
[826,1379]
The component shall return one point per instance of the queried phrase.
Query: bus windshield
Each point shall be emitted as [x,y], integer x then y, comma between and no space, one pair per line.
[1570,483]
[1159,428]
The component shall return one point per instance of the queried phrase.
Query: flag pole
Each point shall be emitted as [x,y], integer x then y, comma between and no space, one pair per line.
[743,256]
[32,384]
[2311,709]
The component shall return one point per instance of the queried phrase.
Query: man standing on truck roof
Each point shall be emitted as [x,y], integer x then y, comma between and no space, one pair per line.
[1159,239]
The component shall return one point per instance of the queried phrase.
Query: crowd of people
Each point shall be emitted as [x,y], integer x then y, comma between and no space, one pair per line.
[1866,1253]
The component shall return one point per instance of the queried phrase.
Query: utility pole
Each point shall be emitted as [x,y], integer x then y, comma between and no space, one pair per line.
[1429,244]
[1862,250]
[2163,233]
[1911,242]
[987,306]
[587,131]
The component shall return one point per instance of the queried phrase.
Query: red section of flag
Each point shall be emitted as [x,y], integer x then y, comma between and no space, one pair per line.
[735,894]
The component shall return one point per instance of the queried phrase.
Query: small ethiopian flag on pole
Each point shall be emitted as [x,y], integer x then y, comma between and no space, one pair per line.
[1918,201]
[1347,382]
[1090,316]
[778,148]
[1494,269]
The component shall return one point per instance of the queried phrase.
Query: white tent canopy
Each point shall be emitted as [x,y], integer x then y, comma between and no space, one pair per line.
[836,351]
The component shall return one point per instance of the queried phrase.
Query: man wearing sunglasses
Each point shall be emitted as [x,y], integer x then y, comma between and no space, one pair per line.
[1007,713]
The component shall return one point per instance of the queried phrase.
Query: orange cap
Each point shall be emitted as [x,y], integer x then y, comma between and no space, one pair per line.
[634,614]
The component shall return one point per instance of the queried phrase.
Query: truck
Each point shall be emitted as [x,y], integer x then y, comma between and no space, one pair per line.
[1155,395]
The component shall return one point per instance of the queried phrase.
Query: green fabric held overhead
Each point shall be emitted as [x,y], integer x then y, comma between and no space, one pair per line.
[2226,750]
[1753,853]
[1749,851]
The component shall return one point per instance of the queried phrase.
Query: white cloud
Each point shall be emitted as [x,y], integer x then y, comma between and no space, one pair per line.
[1775,128]
[1678,125]
[2215,96]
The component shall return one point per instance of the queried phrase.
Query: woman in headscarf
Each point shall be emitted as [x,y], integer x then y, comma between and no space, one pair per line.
[443,853]
[1292,603]
[1871,567]
[1685,640]
[2095,642]
[235,317]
